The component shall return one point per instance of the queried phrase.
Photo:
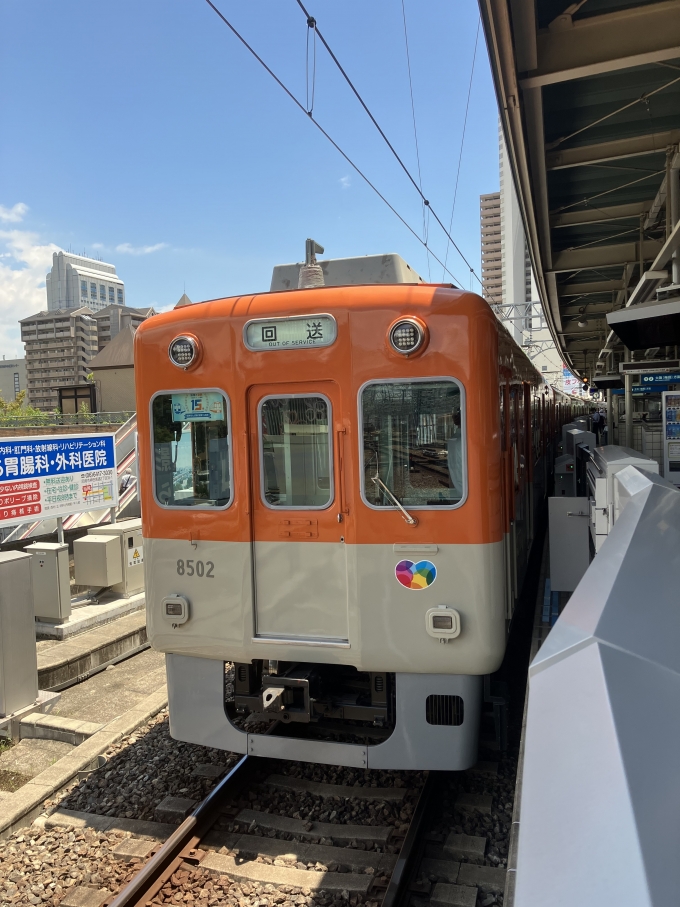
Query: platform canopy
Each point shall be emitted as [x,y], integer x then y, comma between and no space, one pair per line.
[589,99]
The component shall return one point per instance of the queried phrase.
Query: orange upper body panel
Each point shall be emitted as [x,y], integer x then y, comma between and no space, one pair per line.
[463,344]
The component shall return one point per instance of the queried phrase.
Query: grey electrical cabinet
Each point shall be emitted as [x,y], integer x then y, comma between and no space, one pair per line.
[18,656]
[97,561]
[568,526]
[51,580]
[565,481]
[128,534]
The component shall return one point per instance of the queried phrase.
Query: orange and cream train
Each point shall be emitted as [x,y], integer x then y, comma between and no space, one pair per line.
[339,487]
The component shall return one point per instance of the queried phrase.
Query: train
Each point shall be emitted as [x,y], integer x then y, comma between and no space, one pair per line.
[340,483]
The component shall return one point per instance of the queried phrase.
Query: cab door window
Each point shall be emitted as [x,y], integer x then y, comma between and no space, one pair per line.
[413,443]
[191,449]
[296,452]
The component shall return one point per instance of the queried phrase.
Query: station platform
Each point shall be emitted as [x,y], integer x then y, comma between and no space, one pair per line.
[88,616]
[62,662]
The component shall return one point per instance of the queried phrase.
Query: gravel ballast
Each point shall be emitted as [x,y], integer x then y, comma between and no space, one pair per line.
[142,769]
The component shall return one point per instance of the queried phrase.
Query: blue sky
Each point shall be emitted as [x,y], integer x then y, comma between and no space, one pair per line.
[143,132]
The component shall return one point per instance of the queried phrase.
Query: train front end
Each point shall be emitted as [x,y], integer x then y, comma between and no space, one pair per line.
[321,500]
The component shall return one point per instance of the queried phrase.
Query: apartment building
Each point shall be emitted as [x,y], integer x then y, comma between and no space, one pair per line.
[76,281]
[492,265]
[508,282]
[59,346]
[112,320]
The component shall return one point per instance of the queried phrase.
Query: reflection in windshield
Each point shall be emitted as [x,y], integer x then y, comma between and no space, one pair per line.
[413,443]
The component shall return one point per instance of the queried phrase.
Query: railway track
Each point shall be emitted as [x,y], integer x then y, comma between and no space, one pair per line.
[330,861]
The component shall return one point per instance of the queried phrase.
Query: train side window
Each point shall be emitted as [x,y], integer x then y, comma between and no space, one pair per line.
[413,443]
[191,450]
[296,468]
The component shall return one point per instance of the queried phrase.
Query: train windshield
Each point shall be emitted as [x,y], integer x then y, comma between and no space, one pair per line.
[191,449]
[413,443]
[296,452]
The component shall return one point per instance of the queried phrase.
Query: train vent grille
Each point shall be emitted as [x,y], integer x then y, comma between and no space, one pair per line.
[242,673]
[445,710]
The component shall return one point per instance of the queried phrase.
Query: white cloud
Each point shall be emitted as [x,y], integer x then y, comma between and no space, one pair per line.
[128,249]
[25,262]
[345,181]
[14,214]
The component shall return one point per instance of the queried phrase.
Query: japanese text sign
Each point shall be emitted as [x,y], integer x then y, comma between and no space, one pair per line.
[47,477]
[292,333]
[198,406]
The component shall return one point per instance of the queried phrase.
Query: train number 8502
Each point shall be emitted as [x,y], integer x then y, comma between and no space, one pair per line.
[196,568]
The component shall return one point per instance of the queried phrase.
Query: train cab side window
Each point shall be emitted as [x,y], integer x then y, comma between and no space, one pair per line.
[413,443]
[191,449]
[295,452]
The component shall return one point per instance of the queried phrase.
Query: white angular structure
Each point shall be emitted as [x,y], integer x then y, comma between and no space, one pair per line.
[600,799]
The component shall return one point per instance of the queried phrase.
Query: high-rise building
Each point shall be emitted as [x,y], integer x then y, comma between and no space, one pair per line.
[492,266]
[59,346]
[112,320]
[76,281]
[508,282]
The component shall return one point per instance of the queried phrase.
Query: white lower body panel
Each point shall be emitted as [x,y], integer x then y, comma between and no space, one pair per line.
[197,715]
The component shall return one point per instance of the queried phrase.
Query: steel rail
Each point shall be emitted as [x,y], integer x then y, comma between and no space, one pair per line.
[151,877]
[184,842]
[412,848]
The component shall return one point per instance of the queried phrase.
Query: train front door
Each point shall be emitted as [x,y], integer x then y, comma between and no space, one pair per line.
[298,523]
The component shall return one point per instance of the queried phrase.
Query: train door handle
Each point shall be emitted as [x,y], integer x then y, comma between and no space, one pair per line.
[579,513]
[340,434]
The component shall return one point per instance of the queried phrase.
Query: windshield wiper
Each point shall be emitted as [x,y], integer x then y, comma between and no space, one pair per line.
[411,520]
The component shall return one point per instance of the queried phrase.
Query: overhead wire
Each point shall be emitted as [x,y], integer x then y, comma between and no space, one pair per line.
[415,137]
[462,140]
[312,119]
[311,26]
[392,149]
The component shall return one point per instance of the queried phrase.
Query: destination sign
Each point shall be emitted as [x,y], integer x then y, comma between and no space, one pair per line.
[294,333]
[660,379]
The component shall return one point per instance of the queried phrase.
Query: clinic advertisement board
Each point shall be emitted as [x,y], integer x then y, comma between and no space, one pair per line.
[46,477]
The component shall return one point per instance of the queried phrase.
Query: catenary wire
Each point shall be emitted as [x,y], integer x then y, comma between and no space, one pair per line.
[462,140]
[311,25]
[415,135]
[394,152]
[326,135]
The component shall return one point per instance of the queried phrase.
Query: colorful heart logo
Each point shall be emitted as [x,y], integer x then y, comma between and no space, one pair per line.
[416,576]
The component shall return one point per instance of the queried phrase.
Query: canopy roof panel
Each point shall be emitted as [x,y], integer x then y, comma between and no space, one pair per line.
[589,99]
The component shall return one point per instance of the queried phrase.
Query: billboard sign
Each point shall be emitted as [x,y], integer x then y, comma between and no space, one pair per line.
[47,477]
[570,382]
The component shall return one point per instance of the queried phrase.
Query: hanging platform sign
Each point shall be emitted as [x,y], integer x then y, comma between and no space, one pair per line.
[52,476]
[293,333]
[660,379]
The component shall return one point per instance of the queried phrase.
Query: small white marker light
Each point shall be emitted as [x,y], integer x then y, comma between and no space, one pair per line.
[175,609]
[443,623]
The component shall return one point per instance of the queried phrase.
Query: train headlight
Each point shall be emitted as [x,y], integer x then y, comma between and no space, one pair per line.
[407,336]
[184,351]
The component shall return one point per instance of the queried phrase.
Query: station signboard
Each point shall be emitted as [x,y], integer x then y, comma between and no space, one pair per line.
[54,476]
